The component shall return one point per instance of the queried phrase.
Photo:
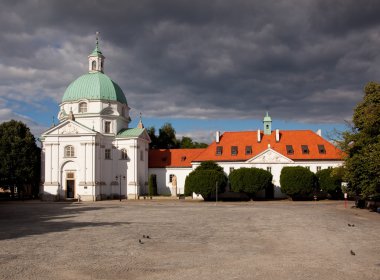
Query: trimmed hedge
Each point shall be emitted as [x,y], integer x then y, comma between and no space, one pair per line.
[330,181]
[298,182]
[203,182]
[152,185]
[250,180]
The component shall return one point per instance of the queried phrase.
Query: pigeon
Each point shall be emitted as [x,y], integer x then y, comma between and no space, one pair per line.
[352,253]
[352,225]
[349,225]
[140,241]
[148,237]
[143,236]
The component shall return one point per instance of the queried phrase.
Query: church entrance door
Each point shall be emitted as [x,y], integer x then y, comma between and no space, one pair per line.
[70,188]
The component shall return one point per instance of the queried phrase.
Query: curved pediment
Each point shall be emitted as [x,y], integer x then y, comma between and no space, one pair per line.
[107,111]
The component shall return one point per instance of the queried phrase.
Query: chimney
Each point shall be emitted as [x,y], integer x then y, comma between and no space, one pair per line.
[258,136]
[277,135]
[319,132]
[217,136]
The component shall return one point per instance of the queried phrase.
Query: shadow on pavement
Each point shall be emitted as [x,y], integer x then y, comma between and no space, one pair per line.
[18,219]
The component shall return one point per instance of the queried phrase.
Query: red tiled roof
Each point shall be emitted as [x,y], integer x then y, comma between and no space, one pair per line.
[296,138]
[173,157]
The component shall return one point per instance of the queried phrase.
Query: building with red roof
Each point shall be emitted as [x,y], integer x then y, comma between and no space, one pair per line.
[266,149]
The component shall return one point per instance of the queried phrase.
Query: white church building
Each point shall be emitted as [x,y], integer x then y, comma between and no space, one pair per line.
[93,154]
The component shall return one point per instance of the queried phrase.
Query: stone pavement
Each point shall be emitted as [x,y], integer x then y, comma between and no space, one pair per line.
[188,240]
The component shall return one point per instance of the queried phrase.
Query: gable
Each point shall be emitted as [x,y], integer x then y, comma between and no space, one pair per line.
[68,127]
[269,156]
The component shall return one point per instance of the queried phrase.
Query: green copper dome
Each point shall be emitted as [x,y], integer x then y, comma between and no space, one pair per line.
[94,86]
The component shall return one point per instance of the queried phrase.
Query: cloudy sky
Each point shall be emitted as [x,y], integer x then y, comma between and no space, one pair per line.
[201,65]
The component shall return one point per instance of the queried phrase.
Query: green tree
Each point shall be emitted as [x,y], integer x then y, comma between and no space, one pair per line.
[188,143]
[250,180]
[166,137]
[152,185]
[154,140]
[20,157]
[205,179]
[362,145]
[298,182]
[330,181]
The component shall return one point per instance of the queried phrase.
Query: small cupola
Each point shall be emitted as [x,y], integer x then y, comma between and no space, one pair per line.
[267,125]
[96,58]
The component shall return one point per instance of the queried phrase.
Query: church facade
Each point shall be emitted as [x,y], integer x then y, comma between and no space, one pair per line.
[93,154]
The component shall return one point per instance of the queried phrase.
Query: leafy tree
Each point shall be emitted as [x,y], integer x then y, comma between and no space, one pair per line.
[209,165]
[330,181]
[205,179]
[166,137]
[297,182]
[154,140]
[250,180]
[362,145]
[188,143]
[20,157]
[152,185]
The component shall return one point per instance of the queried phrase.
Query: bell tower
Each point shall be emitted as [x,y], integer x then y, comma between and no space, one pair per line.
[96,58]
[267,125]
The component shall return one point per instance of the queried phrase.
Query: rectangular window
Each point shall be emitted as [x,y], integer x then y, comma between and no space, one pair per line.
[232,169]
[234,150]
[319,168]
[321,149]
[269,169]
[248,150]
[305,149]
[141,155]
[289,149]
[171,178]
[219,150]
[107,127]
[330,167]
[307,167]
[107,153]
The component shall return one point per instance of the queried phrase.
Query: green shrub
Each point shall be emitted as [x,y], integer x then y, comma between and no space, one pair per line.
[152,185]
[250,180]
[204,182]
[330,181]
[298,182]
[209,165]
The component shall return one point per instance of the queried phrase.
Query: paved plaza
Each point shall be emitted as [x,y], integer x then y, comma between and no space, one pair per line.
[188,240]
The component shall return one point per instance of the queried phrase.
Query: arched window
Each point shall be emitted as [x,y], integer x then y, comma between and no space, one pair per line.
[93,65]
[124,154]
[69,151]
[82,107]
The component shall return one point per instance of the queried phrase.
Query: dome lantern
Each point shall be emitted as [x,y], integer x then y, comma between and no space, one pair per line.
[96,58]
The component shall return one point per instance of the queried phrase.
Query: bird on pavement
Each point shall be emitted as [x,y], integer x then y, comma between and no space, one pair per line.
[352,253]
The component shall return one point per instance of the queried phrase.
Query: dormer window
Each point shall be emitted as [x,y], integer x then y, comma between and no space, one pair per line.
[82,107]
[289,149]
[321,149]
[248,150]
[93,65]
[183,158]
[219,150]
[234,150]
[305,149]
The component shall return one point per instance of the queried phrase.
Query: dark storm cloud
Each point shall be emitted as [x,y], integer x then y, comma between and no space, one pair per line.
[302,60]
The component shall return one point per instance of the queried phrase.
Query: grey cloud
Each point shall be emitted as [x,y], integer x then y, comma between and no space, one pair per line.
[305,60]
